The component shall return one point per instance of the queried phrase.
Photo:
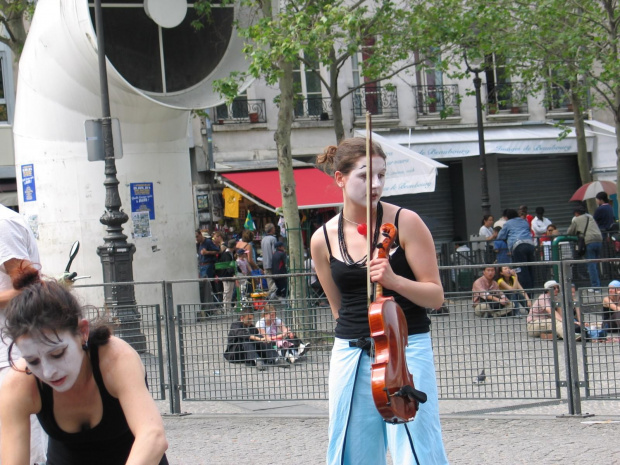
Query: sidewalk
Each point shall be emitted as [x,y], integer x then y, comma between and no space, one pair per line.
[475,432]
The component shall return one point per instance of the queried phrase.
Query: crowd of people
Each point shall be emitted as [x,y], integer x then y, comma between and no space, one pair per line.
[239,258]
[516,235]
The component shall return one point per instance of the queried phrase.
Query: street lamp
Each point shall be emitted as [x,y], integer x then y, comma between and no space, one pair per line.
[486,205]
[116,254]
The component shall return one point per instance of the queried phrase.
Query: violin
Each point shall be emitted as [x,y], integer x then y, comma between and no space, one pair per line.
[393,391]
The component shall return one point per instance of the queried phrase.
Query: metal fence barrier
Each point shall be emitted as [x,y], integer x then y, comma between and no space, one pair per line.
[182,345]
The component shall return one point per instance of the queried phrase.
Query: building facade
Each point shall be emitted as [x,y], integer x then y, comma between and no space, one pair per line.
[527,162]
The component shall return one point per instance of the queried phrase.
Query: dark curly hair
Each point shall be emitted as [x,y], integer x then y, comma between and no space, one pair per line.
[45,306]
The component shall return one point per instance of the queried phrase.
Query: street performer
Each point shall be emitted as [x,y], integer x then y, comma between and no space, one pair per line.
[357,432]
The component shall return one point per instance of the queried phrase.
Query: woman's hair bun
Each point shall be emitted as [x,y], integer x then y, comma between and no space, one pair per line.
[25,276]
[328,155]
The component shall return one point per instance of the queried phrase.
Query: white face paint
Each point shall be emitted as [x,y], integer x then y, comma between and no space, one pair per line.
[355,181]
[55,362]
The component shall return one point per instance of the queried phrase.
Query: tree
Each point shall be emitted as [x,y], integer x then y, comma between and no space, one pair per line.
[14,18]
[573,44]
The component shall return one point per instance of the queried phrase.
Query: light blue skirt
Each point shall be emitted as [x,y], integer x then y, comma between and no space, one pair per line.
[358,435]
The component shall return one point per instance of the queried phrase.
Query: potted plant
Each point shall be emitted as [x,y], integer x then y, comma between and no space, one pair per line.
[253,117]
[492,108]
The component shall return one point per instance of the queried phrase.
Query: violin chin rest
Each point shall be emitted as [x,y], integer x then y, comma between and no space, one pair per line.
[412,393]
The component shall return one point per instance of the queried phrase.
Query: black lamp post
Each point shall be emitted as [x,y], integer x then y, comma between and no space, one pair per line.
[116,254]
[486,205]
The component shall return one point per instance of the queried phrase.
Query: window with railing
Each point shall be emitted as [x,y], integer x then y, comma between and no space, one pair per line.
[313,108]
[308,91]
[241,110]
[376,100]
[507,98]
[435,100]
[556,98]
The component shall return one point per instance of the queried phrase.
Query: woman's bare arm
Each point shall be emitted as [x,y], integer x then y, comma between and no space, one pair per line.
[416,240]
[19,399]
[320,255]
[123,375]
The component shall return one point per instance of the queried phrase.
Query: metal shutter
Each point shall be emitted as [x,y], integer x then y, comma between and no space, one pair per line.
[547,181]
[435,208]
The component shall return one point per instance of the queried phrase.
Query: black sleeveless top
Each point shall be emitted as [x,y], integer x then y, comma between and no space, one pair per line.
[108,443]
[352,320]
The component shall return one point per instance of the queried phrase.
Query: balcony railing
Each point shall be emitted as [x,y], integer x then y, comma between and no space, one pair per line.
[377,100]
[313,108]
[241,111]
[435,100]
[506,98]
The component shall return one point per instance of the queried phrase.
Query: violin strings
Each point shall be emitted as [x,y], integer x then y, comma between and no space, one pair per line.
[343,245]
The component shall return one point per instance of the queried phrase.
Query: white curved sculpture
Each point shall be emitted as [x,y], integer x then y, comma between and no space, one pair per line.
[58,89]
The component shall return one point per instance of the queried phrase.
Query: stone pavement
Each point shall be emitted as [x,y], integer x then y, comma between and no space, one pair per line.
[475,432]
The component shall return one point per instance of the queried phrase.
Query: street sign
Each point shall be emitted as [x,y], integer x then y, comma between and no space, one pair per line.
[94,139]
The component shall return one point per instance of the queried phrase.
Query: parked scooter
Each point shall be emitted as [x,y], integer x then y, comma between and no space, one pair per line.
[68,278]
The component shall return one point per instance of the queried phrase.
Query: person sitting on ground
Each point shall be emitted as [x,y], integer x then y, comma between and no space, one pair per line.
[274,330]
[86,386]
[488,299]
[546,306]
[509,283]
[247,345]
[278,267]
[611,307]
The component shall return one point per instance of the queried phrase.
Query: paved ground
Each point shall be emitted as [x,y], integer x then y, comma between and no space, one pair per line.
[296,433]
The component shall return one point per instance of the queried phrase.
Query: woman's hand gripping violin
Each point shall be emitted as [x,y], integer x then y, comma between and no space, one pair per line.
[393,390]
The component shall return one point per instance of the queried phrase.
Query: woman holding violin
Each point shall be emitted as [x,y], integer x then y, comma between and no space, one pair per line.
[358,434]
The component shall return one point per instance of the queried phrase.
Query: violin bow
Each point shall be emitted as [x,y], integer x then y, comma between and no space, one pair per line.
[369,229]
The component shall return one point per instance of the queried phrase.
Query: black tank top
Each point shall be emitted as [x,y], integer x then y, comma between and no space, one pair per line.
[351,282]
[108,443]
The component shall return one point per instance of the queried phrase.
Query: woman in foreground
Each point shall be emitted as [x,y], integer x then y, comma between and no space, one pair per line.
[357,433]
[86,387]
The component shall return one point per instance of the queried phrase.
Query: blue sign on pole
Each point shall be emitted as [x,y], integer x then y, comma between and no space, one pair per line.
[28,185]
[142,198]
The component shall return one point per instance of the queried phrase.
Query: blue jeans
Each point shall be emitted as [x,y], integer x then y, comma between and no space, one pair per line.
[206,270]
[593,250]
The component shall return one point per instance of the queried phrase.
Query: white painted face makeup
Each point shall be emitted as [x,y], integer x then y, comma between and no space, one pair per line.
[355,181]
[55,362]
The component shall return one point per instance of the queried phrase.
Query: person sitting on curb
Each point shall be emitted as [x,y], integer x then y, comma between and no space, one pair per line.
[290,347]
[489,300]
[539,321]
[247,345]
[611,307]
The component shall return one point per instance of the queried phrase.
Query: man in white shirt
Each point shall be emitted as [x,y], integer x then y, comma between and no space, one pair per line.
[18,248]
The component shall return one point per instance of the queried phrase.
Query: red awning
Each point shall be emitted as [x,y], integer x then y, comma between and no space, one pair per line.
[313,187]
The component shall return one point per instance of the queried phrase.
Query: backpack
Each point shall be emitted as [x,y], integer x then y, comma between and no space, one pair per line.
[226,265]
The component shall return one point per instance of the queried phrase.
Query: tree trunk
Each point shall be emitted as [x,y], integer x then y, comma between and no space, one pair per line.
[287,181]
[335,98]
[582,148]
[617,121]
